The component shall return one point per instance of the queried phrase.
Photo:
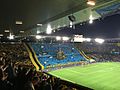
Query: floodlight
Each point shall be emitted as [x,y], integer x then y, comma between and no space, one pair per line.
[99,40]
[91,19]
[19,22]
[38,37]
[58,38]
[38,31]
[91,2]
[39,24]
[49,29]
[21,31]
[71,24]
[65,38]
[11,36]
[7,31]
[1,35]
[88,39]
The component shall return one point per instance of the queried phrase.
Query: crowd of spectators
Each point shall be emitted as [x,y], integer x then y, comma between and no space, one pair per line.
[14,75]
[101,52]
[14,51]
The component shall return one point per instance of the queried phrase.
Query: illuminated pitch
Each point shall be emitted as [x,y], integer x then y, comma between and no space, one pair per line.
[98,76]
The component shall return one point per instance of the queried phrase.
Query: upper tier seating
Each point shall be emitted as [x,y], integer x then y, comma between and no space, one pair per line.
[101,52]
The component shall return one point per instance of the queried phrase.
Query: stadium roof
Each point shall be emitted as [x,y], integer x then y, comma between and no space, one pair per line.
[32,12]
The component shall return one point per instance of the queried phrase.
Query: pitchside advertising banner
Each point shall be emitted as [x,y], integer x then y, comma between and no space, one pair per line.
[78,38]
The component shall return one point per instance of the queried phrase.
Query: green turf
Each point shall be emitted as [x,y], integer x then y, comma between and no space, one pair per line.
[99,76]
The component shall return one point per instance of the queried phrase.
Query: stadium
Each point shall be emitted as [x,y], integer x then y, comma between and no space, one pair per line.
[75,46]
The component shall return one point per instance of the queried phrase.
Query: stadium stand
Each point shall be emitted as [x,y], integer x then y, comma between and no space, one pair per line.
[13,51]
[56,54]
[15,74]
[101,52]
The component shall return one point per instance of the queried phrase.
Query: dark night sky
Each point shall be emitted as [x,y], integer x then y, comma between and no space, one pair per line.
[108,27]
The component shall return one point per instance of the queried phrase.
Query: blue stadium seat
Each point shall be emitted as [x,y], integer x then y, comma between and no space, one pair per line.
[47,53]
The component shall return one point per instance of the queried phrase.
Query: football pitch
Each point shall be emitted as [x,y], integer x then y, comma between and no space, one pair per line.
[97,76]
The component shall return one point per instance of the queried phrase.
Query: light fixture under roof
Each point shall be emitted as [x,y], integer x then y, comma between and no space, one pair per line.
[1,35]
[91,19]
[38,37]
[38,31]
[87,39]
[21,31]
[58,38]
[91,2]
[49,29]
[65,38]
[99,40]
[71,24]
[39,24]
[7,31]
[11,36]
[19,22]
